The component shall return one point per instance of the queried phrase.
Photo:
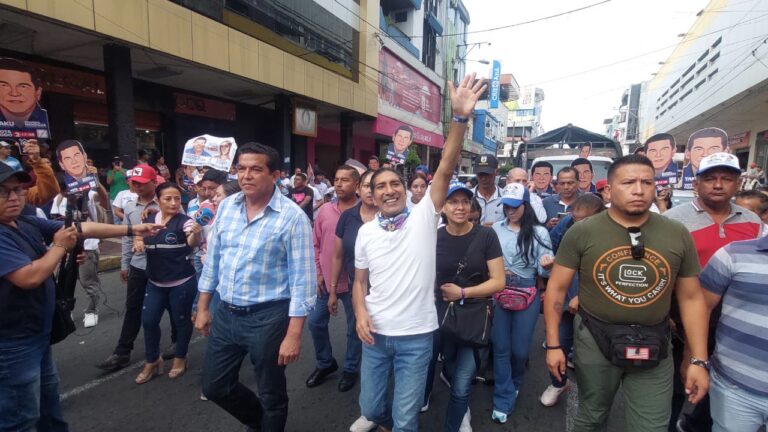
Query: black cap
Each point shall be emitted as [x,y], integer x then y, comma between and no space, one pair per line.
[7,172]
[485,164]
[216,176]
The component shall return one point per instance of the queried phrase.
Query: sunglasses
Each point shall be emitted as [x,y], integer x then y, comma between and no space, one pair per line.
[636,243]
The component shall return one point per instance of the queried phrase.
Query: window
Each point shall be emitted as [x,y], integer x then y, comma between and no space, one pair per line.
[429,48]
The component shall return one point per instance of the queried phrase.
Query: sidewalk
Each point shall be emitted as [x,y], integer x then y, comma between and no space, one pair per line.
[109,257]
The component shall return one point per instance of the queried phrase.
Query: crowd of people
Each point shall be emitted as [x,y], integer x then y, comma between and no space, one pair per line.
[666,302]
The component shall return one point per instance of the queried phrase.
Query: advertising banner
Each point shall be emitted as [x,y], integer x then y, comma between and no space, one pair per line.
[401,86]
[495,84]
[207,150]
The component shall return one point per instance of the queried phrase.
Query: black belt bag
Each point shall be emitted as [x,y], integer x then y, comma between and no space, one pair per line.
[629,345]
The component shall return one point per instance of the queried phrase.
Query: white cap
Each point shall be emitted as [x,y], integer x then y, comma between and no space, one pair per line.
[514,195]
[718,160]
[198,178]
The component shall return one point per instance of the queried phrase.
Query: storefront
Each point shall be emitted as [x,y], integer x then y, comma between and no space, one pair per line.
[739,146]
[761,149]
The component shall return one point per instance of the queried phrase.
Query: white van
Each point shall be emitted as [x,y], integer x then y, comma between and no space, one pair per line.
[600,164]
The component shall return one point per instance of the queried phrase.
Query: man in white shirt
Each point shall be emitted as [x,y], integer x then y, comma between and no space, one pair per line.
[395,255]
[519,175]
[121,199]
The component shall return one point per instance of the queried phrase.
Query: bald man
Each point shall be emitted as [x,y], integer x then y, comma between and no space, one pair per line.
[519,175]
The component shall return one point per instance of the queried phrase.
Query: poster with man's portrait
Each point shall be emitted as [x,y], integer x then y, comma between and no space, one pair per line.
[702,143]
[73,161]
[397,151]
[207,150]
[21,116]
[660,149]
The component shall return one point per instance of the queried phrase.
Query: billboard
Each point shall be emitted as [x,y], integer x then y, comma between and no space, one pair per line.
[403,87]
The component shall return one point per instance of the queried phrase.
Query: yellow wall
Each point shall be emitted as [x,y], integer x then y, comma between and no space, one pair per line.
[169,28]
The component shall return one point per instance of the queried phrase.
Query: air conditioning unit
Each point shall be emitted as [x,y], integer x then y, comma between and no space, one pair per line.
[400,17]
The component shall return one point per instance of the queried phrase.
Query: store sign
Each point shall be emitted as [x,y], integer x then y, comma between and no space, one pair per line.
[495,84]
[204,107]
[738,141]
[67,81]
[387,126]
[403,87]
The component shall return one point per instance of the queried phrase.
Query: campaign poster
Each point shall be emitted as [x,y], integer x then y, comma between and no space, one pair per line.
[21,116]
[397,150]
[72,160]
[702,143]
[660,149]
[207,150]
[585,150]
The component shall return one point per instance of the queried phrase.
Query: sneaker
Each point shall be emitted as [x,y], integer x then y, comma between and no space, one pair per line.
[362,425]
[498,417]
[202,397]
[169,352]
[445,380]
[90,320]
[552,394]
[465,422]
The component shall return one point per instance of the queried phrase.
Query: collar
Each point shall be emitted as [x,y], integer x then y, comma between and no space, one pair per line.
[275,203]
[477,194]
[762,244]
[699,209]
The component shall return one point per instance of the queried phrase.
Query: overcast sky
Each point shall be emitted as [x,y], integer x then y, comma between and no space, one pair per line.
[557,54]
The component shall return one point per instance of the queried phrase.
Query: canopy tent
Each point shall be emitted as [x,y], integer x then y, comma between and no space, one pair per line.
[565,141]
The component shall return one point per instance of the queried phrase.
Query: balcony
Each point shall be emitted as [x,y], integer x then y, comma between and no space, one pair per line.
[397,35]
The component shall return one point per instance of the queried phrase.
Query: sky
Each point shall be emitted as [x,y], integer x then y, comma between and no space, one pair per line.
[580,60]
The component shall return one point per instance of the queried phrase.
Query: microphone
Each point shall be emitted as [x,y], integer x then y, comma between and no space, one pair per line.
[205,216]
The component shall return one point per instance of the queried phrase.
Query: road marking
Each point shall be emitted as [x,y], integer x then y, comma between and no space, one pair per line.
[571,406]
[105,379]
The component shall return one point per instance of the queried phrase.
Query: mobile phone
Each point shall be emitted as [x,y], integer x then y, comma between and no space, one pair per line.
[561,215]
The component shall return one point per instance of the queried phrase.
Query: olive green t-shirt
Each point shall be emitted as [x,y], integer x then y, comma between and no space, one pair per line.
[613,286]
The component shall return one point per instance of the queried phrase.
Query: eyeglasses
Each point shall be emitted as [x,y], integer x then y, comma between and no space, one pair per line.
[19,191]
[635,243]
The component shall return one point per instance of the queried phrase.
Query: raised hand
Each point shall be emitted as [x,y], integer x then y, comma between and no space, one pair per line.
[465,95]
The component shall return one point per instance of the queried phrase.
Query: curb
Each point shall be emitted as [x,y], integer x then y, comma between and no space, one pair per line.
[108,263]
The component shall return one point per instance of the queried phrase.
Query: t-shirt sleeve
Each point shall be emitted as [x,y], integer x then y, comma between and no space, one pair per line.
[717,275]
[341,223]
[47,227]
[12,257]
[569,252]
[690,266]
[361,258]
[493,245]
[425,212]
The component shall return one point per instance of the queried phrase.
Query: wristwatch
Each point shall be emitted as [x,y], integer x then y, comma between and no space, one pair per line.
[698,362]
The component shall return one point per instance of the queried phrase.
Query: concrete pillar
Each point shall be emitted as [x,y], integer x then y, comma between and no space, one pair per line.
[346,149]
[119,83]
[283,131]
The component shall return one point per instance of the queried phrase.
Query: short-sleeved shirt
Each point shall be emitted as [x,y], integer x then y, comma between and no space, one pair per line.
[452,249]
[59,208]
[616,288]
[298,195]
[492,210]
[739,275]
[119,183]
[346,229]
[401,265]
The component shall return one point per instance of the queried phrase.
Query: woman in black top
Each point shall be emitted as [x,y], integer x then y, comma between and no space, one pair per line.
[482,275]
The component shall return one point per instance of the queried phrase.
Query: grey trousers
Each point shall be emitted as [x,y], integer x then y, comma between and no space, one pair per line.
[89,279]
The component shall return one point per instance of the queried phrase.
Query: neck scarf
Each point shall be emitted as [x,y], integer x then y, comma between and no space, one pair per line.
[393,223]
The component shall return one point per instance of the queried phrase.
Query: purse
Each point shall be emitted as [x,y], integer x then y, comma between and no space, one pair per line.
[629,345]
[514,298]
[468,322]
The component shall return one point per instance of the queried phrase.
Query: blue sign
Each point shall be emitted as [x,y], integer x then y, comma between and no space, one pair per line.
[495,84]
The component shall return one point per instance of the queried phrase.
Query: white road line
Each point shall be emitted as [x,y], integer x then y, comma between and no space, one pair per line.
[105,379]
[572,405]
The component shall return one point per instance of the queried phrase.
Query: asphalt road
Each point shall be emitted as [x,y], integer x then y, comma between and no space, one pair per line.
[97,401]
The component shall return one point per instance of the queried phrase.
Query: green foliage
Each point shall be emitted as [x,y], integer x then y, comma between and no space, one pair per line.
[504,169]
[413,159]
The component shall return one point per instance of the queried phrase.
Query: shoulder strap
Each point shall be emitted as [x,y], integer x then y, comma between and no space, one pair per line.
[470,247]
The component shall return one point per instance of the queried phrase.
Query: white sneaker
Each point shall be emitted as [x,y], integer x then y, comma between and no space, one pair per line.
[552,394]
[465,422]
[362,425]
[90,320]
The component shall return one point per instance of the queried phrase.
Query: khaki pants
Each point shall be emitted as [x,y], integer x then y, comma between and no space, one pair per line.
[647,392]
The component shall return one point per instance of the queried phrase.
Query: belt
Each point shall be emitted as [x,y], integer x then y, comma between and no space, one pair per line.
[244,310]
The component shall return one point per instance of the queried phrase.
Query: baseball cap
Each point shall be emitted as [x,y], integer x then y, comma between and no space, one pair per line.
[7,172]
[485,164]
[601,184]
[143,174]
[5,144]
[514,195]
[718,160]
[198,178]
[457,186]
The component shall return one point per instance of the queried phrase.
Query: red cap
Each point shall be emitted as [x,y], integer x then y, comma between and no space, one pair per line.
[143,174]
[601,184]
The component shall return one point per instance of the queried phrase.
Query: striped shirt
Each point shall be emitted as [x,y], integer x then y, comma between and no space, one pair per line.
[739,274]
[268,258]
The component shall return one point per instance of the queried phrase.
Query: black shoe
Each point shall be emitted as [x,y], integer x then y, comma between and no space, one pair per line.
[115,362]
[169,352]
[318,376]
[347,381]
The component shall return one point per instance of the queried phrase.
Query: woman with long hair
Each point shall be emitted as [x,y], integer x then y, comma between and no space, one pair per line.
[527,254]
[469,266]
[417,188]
[172,284]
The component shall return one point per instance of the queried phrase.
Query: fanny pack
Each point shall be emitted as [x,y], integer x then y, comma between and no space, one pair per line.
[515,297]
[629,345]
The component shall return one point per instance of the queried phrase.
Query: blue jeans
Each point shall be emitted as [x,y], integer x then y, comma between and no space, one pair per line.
[29,387]
[318,326]
[733,408]
[258,334]
[511,337]
[460,361]
[178,300]
[408,357]
[566,341]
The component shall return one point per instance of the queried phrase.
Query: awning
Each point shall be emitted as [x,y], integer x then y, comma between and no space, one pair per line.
[434,23]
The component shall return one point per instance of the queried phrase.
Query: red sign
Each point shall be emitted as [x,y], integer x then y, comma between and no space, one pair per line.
[401,86]
[203,107]
[386,126]
[738,141]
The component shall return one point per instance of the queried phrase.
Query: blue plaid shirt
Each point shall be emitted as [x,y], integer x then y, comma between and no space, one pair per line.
[268,258]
